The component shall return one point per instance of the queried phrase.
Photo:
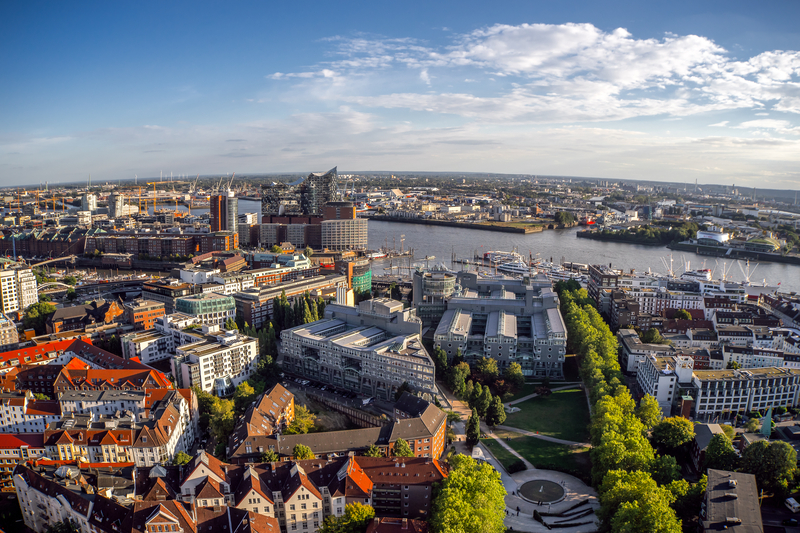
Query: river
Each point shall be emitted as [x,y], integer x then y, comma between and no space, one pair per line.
[441,241]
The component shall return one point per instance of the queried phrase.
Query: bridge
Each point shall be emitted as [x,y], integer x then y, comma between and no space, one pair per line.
[112,288]
[54,284]
[70,258]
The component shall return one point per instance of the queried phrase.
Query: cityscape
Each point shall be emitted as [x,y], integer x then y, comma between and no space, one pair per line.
[569,300]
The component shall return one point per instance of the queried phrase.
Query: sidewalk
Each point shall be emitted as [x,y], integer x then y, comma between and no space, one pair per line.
[543,437]
[534,395]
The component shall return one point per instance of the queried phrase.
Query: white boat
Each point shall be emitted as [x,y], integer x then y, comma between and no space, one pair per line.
[501,257]
[375,255]
[516,267]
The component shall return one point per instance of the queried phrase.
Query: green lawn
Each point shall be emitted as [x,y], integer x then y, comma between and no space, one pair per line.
[563,414]
[504,456]
[550,455]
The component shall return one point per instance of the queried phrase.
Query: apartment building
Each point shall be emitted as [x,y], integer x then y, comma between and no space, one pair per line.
[168,292]
[267,416]
[507,320]
[662,378]
[218,363]
[727,392]
[9,336]
[18,288]
[633,351]
[17,448]
[370,349]
[21,413]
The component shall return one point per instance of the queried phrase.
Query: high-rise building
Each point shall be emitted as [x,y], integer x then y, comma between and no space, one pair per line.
[116,204]
[89,202]
[224,211]
[306,196]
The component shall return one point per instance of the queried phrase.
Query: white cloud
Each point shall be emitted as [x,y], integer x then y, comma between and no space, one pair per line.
[719,124]
[423,75]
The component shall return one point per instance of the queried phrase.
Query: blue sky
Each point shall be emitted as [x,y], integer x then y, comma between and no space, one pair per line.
[678,91]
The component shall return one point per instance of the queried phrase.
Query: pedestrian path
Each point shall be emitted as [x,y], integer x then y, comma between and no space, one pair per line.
[519,512]
[511,450]
[535,394]
[543,437]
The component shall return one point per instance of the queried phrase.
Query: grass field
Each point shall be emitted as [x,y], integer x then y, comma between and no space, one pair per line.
[550,455]
[563,414]
[504,456]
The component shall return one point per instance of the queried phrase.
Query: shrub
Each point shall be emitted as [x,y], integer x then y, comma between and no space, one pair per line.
[516,466]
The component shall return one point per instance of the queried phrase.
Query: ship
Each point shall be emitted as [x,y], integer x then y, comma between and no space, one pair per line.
[375,254]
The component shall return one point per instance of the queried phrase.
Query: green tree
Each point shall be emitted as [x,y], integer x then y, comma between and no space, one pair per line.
[36,316]
[308,252]
[452,416]
[688,498]
[563,217]
[487,369]
[471,499]
[181,458]
[303,422]
[355,519]
[652,336]
[44,297]
[773,463]
[648,412]
[269,456]
[64,526]
[205,402]
[733,365]
[683,314]
[468,391]
[230,324]
[665,469]
[473,429]
[457,377]
[70,280]
[496,415]
[276,249]
[720,454]
[753,425]
[245,394]
[222,419]
[373,451]
[402,449]
[632,501]
[307,317]
[440,360]
[672,432]
[404,387]
[483,403]
[513,375]
[301,451]
[40,396]
[477,392]
[729,431]
[72,295]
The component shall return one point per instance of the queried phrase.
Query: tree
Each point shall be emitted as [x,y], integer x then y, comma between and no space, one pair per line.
[632,501]
[452,416]
[301,451]
[181,458]
[688,498]
[473,430]
[36,316]
[496,414]
[773,463]
[222,419]
[308,252]
[269,456]
[648,412]
[457,377]
[563,217]
[477,392]
[513,375]
[683,314]
[355,519]
[404,387]
[276,249]
[468,391]
[483,403]
[652,336]
[64,526]
[245,394]
[205,402]
[40,396]
[487,369]
[230,324]
[672,432]
[753,425]
[303,422]
[70,280]
[373,451]
[729,431]
[665,469]
[440,360]
[471,499]
[720,454]
[402,449]
[44,297]
[72,295]
[733,365]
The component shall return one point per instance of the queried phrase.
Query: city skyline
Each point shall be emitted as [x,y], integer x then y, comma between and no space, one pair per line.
[617,90]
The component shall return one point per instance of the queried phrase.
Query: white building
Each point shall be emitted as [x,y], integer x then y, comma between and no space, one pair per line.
[633,351]
[20,413]
[218,363]
[18,289]
[344,234]
[659,377]
[233,282]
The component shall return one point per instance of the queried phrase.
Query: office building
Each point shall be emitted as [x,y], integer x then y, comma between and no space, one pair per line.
[210,308]
[370,349]
[224,209]
[89,202]
[431,290]
[510,320]
[142,314]
[633,351]
[168,291]
[358,272]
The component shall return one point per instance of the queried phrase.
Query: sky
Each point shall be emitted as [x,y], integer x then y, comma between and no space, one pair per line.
[678,91]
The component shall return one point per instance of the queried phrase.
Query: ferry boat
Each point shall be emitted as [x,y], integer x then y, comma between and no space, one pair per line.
[375,254]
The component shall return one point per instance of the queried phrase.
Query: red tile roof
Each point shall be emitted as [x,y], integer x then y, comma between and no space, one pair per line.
[10,441]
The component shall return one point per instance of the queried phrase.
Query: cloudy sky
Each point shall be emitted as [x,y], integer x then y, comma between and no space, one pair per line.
[683,91]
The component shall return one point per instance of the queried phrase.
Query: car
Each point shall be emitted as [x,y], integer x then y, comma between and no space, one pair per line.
[790,522]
